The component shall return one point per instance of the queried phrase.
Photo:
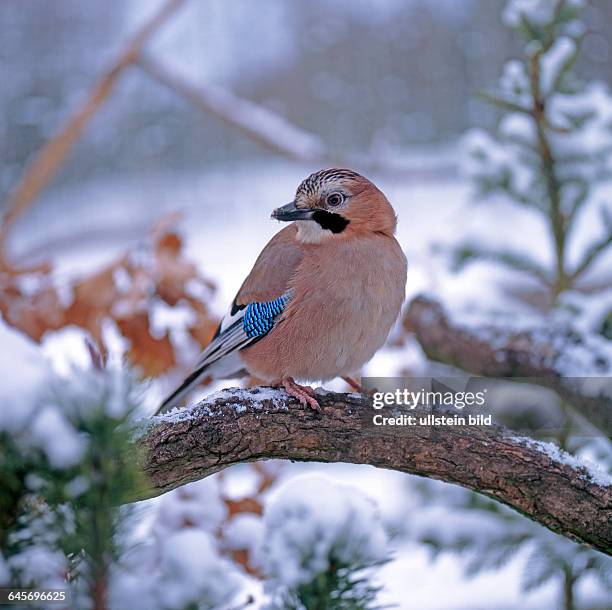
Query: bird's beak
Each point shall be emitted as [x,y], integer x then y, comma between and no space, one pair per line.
[291,212]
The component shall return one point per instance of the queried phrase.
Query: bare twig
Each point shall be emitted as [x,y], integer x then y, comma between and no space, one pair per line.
[497,99]
[260,124]
[276,133]
[249,425]
[558,221]
[592,254]
[51,156]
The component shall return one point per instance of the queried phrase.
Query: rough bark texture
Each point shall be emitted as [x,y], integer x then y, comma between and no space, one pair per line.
[498,352]
[238,426]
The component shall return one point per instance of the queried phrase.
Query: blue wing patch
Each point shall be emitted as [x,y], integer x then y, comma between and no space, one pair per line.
[243,327]
[259,318]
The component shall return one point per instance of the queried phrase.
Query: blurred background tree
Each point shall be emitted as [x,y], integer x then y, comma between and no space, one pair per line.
[553,148]
[306,61]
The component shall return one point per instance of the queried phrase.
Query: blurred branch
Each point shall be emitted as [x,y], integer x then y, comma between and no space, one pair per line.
[466,253]
[246,425]
[273,131]
[548,162]
[260,124]
[595,250]
[50,157]
[496,351]
[501,102]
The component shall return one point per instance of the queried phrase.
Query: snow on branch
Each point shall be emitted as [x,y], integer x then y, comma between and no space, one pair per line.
[557,356]
[236,426]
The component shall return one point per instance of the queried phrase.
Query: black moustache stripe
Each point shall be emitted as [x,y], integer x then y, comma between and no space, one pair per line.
[330,221]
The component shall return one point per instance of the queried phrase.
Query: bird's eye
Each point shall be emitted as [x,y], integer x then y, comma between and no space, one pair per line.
[335,199]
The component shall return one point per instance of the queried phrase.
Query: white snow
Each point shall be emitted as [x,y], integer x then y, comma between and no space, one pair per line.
[115,389]
[245,531]
[310,521]
[23,369]
[241,399]
[165,318]
[192,571]
[447,527]
[175,562]
[66,349]
[195,505]
[514,83]
[54,434]
[586,149]
[553,61]
[518,127]
[537,12]
[132,588]
[587,469]
[41,565]
[78,486]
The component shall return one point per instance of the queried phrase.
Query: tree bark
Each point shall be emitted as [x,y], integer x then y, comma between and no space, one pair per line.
[495,351]
[236,426]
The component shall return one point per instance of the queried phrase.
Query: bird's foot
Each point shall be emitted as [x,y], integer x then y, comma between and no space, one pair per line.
[305,394]
[354,384]
[358,387]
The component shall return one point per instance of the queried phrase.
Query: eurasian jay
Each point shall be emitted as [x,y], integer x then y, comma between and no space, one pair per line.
[322,296]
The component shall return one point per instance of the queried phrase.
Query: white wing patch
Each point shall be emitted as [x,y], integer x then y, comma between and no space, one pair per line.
[236,331]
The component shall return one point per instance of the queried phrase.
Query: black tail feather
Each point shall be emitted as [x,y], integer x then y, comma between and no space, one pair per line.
[173,399]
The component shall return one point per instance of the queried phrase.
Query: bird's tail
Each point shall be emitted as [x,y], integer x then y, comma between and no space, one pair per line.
[242,327]
[175,398]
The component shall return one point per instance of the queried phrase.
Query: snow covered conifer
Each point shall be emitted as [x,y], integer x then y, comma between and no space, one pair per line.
[321,541]
[67,516]
[553,146]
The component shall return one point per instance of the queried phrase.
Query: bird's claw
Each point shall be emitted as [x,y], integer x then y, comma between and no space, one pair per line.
[305,394]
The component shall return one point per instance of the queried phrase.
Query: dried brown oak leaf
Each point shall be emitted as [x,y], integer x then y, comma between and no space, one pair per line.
[122,292]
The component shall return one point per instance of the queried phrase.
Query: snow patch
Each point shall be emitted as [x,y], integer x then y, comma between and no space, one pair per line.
[196,505]
[588,470]
[245,531]
[23,370]
[192,572]
[239,398]
[54,434]
[554,61]
[311,521]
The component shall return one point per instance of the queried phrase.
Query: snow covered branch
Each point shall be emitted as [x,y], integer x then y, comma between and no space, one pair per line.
[236,426]
[558,357]
[274,132]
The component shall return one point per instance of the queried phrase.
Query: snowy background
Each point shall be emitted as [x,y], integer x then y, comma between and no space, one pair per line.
[391,79]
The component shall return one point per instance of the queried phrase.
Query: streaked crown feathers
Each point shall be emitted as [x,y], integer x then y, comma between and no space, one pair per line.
[316,182]
[365,206]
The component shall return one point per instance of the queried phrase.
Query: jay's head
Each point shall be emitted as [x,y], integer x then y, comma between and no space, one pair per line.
[338,203]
